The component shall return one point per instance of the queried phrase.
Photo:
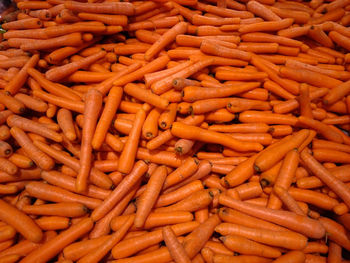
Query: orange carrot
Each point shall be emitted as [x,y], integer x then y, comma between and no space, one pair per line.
[312,227]
[93,104]
[148,198]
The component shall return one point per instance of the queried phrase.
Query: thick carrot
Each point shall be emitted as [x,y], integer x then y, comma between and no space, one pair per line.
[292,256]
[191,132]
[176,249]
[267,159]
[23,223]
[336,232]
[301,224]
[243,245]
[32,126]
[285,239]
[148,198]
[41,159]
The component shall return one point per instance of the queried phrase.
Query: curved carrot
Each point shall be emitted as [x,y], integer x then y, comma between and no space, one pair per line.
[41,159]
[176,250]
[148,198]
[191,132]
[23,223]
[301,224]
[93,104]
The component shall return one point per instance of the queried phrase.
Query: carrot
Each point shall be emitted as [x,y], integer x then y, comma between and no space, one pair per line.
[58,209]
[31,126]
[146,96]
[23,223]
[112,104]
[312,227]
[285,239]
[176,250]
[310,77]
[285,176]
[193,202]
[123,248]
[220,258]
[155,219]
[150,126]
[262,11]
[336,232]
[266,160]
[65,121]
[93,104]
[191,132]
[97,177]
[324,175]
[127,157]
[52,247]
[7,166]
[68,183]
[41,159]
[165,84]
[243,245]
[236,217]
[119,192]
[287,200]
[61,72]
[292,256]
[148,198]
[103,249]
[323,155]
[57,194]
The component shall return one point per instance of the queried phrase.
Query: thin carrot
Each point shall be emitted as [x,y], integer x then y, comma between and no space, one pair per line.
[93,104]
[330,180]
[57,209]
[113,101]
[52,247]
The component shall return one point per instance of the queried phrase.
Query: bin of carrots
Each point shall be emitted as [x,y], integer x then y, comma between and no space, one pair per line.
[175,131]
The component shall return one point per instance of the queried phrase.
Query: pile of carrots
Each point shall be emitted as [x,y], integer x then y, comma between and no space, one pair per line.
[175,131]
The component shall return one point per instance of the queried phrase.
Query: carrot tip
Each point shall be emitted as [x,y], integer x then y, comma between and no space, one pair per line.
[256,168]
[264,183]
